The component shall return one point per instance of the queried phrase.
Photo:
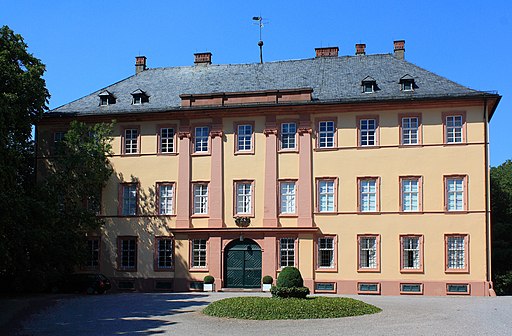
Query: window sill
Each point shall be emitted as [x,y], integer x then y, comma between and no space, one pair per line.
[201,154]
[200,216]
[368,213]
[410,146]
[166,215]
[368,270]
[456,271]
[167,154]
[455,143]
[130,154]
[291,215]
[456,212]
[126,269]
[282,151]
[198,269]
[327,270]
[325,212]
[418,212]
[326,149]
[244,153]
[411,271]
[368,147]
[164,269]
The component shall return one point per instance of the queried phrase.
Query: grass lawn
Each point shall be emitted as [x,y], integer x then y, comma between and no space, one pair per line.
[264,308]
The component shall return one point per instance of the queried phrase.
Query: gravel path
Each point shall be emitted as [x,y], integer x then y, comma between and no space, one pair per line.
[179,314]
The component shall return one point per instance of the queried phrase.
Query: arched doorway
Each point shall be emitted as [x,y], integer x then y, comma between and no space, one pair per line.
[242,264]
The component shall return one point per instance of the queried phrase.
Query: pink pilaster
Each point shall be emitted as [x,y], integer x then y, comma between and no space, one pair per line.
[269,262]
[270,200]
[305,190]
[216,191]
[215,260]
[183,196]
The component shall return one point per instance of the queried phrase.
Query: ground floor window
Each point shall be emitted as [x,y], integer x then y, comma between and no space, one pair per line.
[199,253]
[127,253]
[368,253]
[164,250]
[286,252]
[93,252]
[326,252]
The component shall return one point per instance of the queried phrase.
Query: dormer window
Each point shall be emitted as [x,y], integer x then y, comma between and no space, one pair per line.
[107,98]
[407,83]
[139,97]
[369,85]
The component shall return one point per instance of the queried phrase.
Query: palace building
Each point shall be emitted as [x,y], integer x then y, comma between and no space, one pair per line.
[367,172]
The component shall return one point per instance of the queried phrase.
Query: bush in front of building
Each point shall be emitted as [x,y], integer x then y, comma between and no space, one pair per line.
[267,279]
[290,284]
[209,279]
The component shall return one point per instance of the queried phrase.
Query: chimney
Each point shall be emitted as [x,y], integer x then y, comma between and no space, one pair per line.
[140,64]
[399,49]
[360,49]
[203,58]
[327,52]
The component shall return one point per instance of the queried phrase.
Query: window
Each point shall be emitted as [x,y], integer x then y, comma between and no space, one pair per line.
[369,84]
[139,97]
[107,98]
[326,252]
[164,253]
[200,198]
[456,253]
[93,253]
[410,130]
[368,87]
[412,253]
[326,195]
[131,141]
[367,132]
[288,135]
[324,287]
[368,288]
[410,197]
[411,288]
[287,197]
[244,138]
[454,128]
[127,253]
[286,252]
[244,190]
[166,135]
[326,133]
[165,198]
[368,195]
[455,198]
[368,253]
[457,288]
[58,137]
[128,199]
[201,139]
[199,253]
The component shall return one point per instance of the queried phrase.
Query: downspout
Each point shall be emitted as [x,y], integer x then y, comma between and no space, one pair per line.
[487,201]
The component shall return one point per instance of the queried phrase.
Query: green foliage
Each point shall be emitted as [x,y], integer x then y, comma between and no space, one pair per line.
[23,98]
[267,279]
[290,277]
[264,308]
[209,279]
[501,219]
[289,292]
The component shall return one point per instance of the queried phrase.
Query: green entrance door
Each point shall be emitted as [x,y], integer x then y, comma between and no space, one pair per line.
[243,264]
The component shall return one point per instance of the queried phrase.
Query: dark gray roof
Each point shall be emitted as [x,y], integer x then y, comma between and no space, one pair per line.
[331,78]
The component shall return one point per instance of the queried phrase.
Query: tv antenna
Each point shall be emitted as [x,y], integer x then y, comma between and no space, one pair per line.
[259,22]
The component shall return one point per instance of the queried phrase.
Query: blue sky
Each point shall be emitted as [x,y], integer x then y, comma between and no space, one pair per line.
[87,45]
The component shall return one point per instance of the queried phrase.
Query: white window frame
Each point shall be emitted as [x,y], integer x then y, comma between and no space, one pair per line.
[288,197]
[199,253]
[200,198]
[165,253]
[368,195]
[286,252]
[410,194]
[326,195]
[288,135]
[166,199]
[131,141]
[455,189]
[201,139]
[410,130]
[368,258]
[326,134]
[129,200]
[244,196]
[454,129]
[411,252]
[326,248]
[244,138]
[456,252]
[368,132]
[167,140]
[128,251]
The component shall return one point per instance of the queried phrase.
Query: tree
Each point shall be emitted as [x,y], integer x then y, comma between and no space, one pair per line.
[23,99]
[501,218]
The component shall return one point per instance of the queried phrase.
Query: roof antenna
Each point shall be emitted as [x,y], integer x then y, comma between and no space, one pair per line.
[259,22]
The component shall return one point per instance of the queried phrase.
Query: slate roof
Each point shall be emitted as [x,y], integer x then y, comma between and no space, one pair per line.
[331,78]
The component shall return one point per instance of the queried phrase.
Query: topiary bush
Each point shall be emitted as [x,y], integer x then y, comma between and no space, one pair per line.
[209,279]
[267,279]
[290,277]
[289,284]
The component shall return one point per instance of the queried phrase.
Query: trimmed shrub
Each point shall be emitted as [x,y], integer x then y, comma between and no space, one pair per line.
[267,279]
[209,279]
[289,292]
[290,277]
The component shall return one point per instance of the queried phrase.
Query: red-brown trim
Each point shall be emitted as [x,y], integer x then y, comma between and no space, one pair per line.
[333,269]
[119,252]
[377,196]
[124,128]
[236,151]
[157,196]
[317,122]
[235,195]
[156,254]
[464,128]
[377,249]
[407,270]
[377,130]
[465,191]
[159,143]
[420,129]
[317,198]
[464,270]
[420,193]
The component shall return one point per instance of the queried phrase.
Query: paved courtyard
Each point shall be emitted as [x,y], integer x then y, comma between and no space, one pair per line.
[179,314]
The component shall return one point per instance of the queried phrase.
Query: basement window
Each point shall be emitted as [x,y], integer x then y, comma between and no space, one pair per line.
[139,97]
[107,98]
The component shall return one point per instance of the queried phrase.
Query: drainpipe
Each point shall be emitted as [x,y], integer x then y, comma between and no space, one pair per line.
[487,200]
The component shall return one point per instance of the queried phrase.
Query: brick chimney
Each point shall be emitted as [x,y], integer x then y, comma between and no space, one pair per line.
[203,58]
[327,52]
[360,49]
[399,49]
[140,64]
